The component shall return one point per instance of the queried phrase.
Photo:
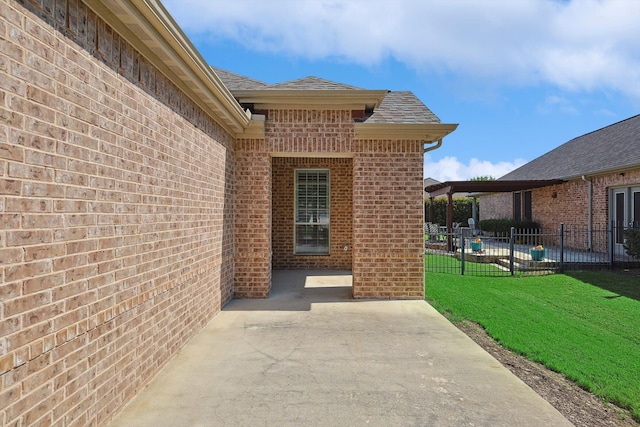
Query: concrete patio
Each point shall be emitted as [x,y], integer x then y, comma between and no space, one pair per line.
[309,355]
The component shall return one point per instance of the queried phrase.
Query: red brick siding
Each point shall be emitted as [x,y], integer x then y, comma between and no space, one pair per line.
[571,206]
[496,206]
[252,217]
[601,186]
[387,238]
[283,199]
[567,203]
[310,131]
[116,243]
[388,251]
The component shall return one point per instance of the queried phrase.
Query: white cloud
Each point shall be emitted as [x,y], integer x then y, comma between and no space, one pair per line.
[575,45]
[452,169]
[553,103]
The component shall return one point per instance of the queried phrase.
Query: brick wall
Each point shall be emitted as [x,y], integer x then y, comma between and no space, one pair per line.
[387,255]
[388,243]
[567,203]
[571,206]
[252,218]
[310,131]
[293,131]
[283,199]
[116,237]
[496,206]
[601,186]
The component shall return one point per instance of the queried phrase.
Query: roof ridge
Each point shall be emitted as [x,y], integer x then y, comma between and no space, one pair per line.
[603,127]
[608,148]
[236,81]
[312,83]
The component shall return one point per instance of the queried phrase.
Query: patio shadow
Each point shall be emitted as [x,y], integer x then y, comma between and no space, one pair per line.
[297,290]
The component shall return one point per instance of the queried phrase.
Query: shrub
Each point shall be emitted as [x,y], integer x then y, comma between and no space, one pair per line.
[462,210]
[632,242]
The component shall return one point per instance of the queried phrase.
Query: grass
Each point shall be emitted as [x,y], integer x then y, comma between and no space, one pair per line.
[442,263]
[584,325]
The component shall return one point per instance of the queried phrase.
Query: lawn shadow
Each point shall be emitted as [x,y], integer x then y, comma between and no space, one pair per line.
[625,283]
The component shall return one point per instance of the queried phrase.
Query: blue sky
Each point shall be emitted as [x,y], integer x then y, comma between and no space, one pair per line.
[519,77]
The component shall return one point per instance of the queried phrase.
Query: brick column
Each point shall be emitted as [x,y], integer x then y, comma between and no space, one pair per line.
[388,251]
[252,220]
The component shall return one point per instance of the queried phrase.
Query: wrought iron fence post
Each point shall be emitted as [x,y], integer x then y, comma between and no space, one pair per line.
[511,249]
[612,243]
[561,247]
[462,249]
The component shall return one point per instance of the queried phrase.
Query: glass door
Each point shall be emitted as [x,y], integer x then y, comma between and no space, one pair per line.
[620,218]
[635,207]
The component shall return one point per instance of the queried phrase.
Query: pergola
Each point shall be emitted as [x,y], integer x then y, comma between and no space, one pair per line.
[499,186]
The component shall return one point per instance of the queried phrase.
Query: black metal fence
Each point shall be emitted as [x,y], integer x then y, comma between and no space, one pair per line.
[527,251]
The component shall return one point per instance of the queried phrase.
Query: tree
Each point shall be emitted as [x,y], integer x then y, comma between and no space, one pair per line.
[483,178]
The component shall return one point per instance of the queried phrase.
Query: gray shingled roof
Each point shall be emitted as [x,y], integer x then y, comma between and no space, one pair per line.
[611,148]
[237,82]
[396,108]
[311,83]
[402,107]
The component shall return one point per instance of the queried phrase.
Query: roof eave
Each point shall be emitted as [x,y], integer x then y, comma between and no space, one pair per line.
[497,186]
[147,25]
[603,172]
[428,132]
[327,98]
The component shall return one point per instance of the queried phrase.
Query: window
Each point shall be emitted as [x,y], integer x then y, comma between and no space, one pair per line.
[517,206]
[311,230]
[528,212]
[522,206]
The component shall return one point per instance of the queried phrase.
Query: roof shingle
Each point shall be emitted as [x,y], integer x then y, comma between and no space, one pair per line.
[611,148]
[402,107]
[311,83]
[237,82]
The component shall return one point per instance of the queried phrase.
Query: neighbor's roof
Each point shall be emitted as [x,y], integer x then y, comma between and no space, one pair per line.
[427,182]
[612,148]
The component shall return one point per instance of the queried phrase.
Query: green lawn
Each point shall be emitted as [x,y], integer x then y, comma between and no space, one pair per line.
[446,263]
[585,325]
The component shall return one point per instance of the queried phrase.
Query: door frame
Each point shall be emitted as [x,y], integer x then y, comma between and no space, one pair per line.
[626,199]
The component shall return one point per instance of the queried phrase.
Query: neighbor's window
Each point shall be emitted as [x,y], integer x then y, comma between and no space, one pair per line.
[311,231]
[517,206]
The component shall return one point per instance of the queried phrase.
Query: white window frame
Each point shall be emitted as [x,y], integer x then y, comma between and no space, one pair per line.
[313,215]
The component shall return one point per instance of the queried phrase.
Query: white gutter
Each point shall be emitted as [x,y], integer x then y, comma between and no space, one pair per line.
[438,145]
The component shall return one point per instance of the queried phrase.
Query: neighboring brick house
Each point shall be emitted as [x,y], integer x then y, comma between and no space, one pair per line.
[600,174]
[138,196]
